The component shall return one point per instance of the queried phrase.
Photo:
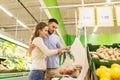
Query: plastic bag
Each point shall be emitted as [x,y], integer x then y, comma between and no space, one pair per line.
[68,66]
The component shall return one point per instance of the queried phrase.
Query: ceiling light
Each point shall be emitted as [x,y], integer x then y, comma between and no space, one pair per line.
[18,21]
[7,12]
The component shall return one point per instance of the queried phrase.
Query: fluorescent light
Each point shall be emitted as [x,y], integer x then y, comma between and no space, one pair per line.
[95,29]
[18,21]
[7,12]
[14,41]
[46,10]
[108,1]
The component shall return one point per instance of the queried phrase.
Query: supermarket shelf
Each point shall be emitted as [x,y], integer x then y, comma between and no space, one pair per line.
[13,75]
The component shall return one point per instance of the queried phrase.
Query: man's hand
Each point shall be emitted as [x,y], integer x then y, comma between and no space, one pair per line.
[31,47]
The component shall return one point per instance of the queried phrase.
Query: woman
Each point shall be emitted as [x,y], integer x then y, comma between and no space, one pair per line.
[40,52]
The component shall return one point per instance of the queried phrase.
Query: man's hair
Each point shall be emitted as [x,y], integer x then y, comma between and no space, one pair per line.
[53,20]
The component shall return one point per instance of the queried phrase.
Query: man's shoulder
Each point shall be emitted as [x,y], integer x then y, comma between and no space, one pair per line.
[55,35]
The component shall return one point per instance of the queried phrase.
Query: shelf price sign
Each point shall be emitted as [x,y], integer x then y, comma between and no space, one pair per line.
[104,16]
[117,11]
[87,16]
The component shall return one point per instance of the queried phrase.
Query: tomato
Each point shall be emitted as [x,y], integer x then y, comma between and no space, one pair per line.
[69,72]
[61,71]
[74,69]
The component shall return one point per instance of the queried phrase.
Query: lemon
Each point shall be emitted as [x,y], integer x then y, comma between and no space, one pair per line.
[115,72]
[101,70]
[98,72]
[106,75]
[104,78]
[103,67]
[115,65]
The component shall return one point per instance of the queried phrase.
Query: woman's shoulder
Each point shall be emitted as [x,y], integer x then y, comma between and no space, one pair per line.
[37,39]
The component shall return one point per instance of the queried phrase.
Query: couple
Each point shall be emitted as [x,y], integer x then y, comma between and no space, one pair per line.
[46,44]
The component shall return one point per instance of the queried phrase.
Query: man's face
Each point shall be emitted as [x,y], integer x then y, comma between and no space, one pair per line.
[52,27]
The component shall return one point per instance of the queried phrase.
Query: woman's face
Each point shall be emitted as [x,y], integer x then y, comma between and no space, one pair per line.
[44,32]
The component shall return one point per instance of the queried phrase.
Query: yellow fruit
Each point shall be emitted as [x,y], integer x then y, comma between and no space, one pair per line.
[103,67]
[106,75]
[115,65]
[98,72]
[101,70]
[115,72]
[104,78]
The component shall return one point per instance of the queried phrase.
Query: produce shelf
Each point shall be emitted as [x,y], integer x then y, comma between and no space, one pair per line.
[13,75]
[96,62]
[93,48]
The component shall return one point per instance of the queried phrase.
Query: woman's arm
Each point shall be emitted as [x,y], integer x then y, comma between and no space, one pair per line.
[38,42]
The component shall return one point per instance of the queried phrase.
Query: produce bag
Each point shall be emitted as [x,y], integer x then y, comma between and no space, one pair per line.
[68,67]
[79,61]
[69,64]
[80,56]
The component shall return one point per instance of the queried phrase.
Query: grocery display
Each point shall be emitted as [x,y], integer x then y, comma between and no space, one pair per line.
[90,27]
[104,58]
[13,59]
[106,53]
[109,73]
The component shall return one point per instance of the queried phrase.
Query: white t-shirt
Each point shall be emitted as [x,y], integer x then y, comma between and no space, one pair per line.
[39,54]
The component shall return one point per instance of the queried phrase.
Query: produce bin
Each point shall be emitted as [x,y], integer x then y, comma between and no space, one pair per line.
[93,48]
[107,63]
[94,72]
[96,62]
[13,75]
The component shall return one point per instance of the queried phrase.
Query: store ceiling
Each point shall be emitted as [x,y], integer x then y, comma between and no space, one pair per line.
[36,14]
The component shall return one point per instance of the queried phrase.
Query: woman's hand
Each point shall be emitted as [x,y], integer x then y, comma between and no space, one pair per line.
[63,48]
[67,48]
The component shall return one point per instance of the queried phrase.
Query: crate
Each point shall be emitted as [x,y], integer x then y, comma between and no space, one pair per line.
[93,48]
[95,77]
[95,62]
[107,63]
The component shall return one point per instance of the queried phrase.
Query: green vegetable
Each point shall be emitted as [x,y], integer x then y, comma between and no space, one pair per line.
[60,77]
[71,56]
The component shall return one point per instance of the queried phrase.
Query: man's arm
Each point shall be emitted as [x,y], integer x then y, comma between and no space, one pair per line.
[31,47]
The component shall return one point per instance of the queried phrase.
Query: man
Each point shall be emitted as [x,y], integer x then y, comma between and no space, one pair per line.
[52,41]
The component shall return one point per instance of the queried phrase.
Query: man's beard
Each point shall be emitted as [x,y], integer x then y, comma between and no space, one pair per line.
[49,32]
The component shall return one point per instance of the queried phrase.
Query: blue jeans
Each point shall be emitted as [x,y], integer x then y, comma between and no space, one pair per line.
[36,75]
